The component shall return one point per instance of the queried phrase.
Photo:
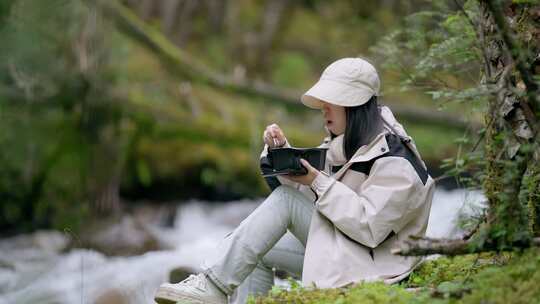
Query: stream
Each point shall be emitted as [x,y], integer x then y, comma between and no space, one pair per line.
[36,269]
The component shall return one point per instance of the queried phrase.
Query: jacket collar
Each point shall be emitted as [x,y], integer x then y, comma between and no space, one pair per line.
[377,147]
[335,154]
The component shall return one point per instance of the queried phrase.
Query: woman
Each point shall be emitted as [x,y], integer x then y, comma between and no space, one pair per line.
[332,227]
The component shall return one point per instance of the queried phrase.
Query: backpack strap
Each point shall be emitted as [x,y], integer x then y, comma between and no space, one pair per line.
[404,139]
[399,146]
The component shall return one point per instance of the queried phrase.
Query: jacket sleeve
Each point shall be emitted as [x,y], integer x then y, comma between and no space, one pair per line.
[384,203]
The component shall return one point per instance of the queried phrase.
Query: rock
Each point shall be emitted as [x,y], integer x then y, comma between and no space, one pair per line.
[180,273]
[125,238]
[49,241]
[112,296]
[162,215]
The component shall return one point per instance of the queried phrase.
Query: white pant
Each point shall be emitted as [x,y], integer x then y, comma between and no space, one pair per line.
[242,264]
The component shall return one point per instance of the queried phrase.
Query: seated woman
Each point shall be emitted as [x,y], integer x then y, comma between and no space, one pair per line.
[333,227]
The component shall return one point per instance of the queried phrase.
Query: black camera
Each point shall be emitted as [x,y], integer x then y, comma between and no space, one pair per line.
[286,161]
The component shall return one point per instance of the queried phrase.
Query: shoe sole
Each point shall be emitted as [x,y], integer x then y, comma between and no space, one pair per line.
[169,296]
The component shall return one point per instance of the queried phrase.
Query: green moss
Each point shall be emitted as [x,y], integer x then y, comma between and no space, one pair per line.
[364,293]
[434,272]
[516,282]
[532,198]
[485,278]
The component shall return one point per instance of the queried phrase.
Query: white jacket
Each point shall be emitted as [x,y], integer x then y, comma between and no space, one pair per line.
[380,196]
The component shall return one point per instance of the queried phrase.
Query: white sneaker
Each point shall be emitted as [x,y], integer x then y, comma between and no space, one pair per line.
[195,289]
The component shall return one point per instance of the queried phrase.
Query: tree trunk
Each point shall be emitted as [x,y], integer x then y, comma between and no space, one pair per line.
[216,14]
[275,19]
[510,140]
[511,182]
[169,14]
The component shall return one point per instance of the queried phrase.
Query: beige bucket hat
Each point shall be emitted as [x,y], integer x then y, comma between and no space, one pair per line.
[346,82]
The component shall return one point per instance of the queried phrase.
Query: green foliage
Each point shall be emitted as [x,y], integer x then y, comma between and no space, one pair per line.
[82,105]
[216,53]
[5,10]
[54,116]
[291,70]
[436,51]
[439,52]
[526,1]
[466,168]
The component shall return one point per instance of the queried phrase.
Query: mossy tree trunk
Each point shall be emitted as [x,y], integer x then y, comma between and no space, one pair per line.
[511,48]
[509,38]
[511,123]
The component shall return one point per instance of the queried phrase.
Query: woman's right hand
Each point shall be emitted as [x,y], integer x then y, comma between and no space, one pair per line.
[273,136]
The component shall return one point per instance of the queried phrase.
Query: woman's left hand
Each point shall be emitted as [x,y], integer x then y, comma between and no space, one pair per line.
[305,179]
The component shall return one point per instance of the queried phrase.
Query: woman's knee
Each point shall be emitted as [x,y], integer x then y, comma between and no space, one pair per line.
[287,191]
[289,198]
[284,189]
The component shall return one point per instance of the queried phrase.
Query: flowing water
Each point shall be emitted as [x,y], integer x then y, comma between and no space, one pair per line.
[36,272]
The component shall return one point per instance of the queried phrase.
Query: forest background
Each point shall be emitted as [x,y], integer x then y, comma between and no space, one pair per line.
[109,105]
[161,100]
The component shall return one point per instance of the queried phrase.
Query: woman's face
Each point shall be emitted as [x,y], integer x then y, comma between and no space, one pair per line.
[334,118]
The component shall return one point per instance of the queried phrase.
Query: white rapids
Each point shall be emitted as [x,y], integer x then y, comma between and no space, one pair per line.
[39,272]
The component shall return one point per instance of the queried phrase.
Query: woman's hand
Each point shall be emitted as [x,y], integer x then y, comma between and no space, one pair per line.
[273,136]
[306,179]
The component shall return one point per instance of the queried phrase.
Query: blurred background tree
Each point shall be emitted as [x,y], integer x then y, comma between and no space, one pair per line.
[104,103]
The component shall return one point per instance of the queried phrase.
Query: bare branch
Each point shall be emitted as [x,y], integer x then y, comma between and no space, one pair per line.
[427,246]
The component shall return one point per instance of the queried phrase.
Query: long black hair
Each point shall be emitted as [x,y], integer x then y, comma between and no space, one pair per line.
[363,123]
